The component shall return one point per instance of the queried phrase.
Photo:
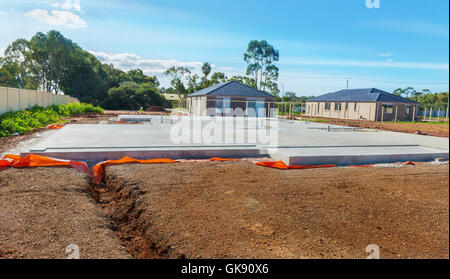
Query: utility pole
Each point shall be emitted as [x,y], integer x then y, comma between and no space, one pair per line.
[347,82]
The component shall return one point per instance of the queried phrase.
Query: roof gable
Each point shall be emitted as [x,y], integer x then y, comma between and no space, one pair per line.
[360,95]
[232,88]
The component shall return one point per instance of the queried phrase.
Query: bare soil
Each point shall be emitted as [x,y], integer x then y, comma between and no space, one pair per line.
[153,111]
[241,210]
[43,210]
[438,130]
[157,109]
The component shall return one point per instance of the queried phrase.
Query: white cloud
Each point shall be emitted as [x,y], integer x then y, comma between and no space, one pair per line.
[57,18]
[372,64]
[71,5]
[127,61]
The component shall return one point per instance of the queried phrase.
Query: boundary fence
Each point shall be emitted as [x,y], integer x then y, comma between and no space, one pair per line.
[13,99]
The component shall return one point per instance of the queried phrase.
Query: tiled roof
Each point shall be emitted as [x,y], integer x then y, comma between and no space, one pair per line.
[232,88]
[360,95]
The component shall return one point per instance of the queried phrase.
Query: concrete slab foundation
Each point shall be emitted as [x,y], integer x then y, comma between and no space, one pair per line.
[295,142]
[355,155]
[136,118]
[115,153]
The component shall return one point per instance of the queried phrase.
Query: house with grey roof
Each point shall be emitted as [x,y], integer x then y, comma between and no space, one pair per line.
[231,98]
[362,104]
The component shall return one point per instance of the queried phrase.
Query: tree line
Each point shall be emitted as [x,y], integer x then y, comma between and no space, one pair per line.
[425,97]
[261,72]
[50,62]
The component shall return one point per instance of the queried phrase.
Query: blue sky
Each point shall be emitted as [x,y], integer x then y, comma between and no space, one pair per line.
[321,42]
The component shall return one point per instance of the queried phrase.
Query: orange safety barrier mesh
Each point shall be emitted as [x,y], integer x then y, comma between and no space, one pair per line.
[34,160]
[223,159]
[361,166]
[9,160]
[99,168]
[409,163]
[282,165]
[4,163]
[55,127]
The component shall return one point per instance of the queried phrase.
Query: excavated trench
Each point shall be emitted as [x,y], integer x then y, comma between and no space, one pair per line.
[120,206]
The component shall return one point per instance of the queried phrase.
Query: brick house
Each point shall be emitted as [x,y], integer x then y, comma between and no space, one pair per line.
[364,104]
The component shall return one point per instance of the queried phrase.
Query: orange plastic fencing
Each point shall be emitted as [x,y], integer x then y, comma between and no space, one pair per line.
[55,126]
[34,160]
[8,160]
[5,163]
[223,159]
[283,166]
[409,163]
[99,168]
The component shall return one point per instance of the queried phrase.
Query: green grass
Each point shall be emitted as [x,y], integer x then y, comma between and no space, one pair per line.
[317,120]
[27,120]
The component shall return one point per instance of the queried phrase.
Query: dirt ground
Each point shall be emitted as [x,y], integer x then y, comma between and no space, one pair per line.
[241,210]
[117,112]
[43,210]
[438,130]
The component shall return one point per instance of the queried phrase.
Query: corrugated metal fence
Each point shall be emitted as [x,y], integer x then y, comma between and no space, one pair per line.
[13,99]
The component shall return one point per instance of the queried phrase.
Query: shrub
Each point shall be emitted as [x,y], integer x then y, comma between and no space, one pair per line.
[24,121]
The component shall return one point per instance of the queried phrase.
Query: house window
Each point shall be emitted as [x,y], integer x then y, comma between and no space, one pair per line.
[327,106]
[318,108]
[346,106]
[355,107]
[388,109]
[337,106]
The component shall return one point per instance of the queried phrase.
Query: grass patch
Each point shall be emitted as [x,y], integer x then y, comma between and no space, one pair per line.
[319,120]
[27,120]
